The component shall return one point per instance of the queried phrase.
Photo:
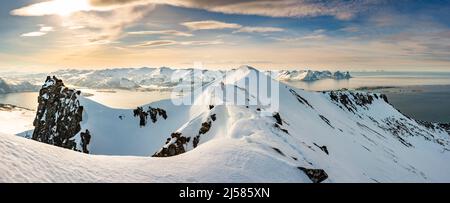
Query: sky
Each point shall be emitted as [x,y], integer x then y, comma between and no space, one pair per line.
[410,35]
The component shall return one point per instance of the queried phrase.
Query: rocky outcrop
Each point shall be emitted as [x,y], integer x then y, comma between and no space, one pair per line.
[351,100]
[445,126]
[175,146]
[58,115]
[152,112]
[177,143]
[316,175]
[277,117]
[300,98]
[85,140]
[323,148]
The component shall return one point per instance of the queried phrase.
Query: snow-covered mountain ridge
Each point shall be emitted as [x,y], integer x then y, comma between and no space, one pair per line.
[339,136]
[12,85]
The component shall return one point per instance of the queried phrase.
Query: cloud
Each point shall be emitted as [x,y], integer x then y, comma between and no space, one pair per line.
[319,31]
[33,34]
[158,43]
[202,43]
[111,2]
[350,29]
[42,31]
[314,37]
[54,7]
[310,37]
[106,26]
[210,25]
[259,29]
[162,32]
[75,27]
[47,29]
[343,10]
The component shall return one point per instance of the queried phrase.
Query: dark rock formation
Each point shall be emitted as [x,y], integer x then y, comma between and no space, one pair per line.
[196,141]
[277,126]
[426,124]
[316,175]
[173,148]
[152,112]
[205,127]
[300,98]
[277,117]
[384,97]
[350,100]
[445,126]
[278,151]
[175,145]
[85,140]
[58,115]
[323,148]
[326,120]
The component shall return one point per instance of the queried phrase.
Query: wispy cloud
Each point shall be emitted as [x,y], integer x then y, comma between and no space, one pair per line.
[201,43]
[47,29]
[309,37]
[259,29]
[106,26]
[42,31]
[350,29]
[343,10]
[210,25]
[53,7]
[33,34]
[75,27]
[162,32]
[158,43]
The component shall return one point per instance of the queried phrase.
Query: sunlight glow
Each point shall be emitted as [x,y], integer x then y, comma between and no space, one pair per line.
[67,7]
[55,7]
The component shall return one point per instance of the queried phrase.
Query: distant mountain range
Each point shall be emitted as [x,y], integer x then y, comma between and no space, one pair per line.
[163,78]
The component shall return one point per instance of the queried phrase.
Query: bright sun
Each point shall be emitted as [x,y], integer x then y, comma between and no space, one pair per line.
[67,7]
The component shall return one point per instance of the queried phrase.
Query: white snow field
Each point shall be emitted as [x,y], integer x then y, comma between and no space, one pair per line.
[352,137]
[15,119]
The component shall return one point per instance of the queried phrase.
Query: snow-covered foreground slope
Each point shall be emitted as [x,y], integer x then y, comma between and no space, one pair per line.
[352,136]
[25,160]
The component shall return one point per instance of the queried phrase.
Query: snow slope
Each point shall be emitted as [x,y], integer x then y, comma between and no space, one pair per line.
[30,161]
[14,120]
[352,136]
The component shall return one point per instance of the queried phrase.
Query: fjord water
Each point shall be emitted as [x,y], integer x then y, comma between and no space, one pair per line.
[23,99]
